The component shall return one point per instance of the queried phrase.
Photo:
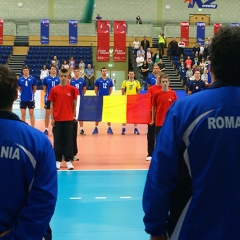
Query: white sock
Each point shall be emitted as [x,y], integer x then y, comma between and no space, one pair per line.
[46,129]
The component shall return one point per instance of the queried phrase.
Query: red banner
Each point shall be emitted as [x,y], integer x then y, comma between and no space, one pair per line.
[103,40]
[1,31]
[216,27]
[185,32]
[119,41]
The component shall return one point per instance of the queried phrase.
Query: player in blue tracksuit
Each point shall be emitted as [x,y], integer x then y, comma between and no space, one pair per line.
[28,179]
[151,79]
[192,190]
[49,82]
[27,86]
[103,87]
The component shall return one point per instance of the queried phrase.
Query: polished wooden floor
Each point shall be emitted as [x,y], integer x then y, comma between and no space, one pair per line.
[108,152]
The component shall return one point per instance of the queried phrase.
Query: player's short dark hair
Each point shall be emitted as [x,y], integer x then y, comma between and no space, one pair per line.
[225,55]
[63,70]
[25,67]
[103,68]
[163,75]
[131,70]
[54,66]
[8,87]
[77,68]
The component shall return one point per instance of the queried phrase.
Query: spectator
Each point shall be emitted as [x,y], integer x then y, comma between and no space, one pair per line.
[157,56]
[196,84]
[188,62]
[181,62]
[65,65]
[196,59]
[149,54]
[98,18]
[189,73]
[56,62]
[44,72]
[161,43]
[81,72]
[201,52]
[208,42]
[139,61]
[150,66]
[72,62]
[173,46]
[82,64]
[71,71]
[181,46]
[204,76]
[144,70]
[161,65]
[136,46]
[196,49]
[89,76]
[141,52]
[145,44]
[138,20]
[203,65]
[28,179]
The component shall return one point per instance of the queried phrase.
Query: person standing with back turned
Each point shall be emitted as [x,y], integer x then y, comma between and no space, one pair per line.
[28,177]
[192,190]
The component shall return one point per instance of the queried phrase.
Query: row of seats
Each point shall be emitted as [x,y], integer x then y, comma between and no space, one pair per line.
[5,52]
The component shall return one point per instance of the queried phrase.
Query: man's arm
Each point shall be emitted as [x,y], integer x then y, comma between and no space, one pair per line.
[96,90]
[153,115]
[110,90]
[36,214]
[34,89]
[51,113]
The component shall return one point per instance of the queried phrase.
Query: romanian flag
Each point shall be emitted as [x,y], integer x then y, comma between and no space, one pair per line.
[115,109]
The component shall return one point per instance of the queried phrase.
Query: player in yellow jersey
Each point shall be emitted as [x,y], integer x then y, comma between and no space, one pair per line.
[130,87]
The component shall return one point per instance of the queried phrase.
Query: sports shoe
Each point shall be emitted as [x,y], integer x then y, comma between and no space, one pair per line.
[109,131]
[95,131]
[69,165]
[136,131]
[123,131]
[75,158]
[149,158]
[46,132]
[82,132]
[58,165]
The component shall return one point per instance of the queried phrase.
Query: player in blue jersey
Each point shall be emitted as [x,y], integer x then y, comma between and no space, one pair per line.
[28,178]
[151,79]
[81,85]
[192,190]
[49,82]
[103,87]
[27,86]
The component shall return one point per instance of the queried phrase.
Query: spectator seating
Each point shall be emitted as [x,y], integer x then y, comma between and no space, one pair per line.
[39,56]
[5,52]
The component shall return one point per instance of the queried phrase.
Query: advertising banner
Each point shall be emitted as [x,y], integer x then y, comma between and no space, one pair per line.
[119,41]
[103,40]
[201,33]
[73,32]
[1,31]
[216,27]
[44,31]
[185,32]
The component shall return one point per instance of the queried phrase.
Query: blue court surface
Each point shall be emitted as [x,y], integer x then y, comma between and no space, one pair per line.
[99,205]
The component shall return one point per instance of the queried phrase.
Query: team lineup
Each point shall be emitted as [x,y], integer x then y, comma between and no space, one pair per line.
[60,100]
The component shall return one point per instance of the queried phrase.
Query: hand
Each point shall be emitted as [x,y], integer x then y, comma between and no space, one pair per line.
[152,122]
[161,237]
[53,122]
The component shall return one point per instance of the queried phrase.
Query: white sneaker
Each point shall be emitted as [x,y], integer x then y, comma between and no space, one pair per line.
[149,158]
[58,165]
[75,158]
[69,165]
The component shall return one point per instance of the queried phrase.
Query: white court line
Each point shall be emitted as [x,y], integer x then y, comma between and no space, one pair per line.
[100,197]
[127,197]
[75,198]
